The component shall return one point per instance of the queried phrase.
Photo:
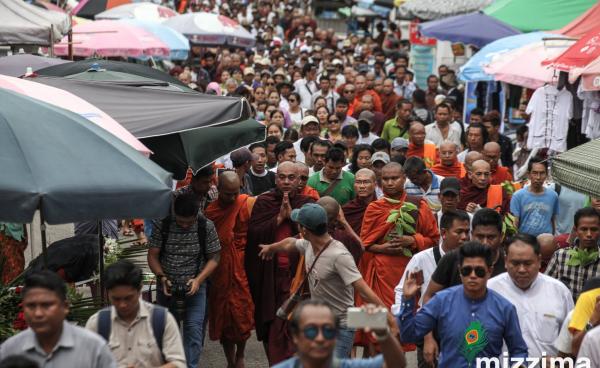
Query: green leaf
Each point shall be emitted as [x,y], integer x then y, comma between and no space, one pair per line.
[408,218]
[408,229]
[399,229]
[393,216]
[406,252]
[407,206]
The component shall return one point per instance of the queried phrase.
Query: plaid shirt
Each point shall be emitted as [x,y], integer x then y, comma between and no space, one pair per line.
[572,276]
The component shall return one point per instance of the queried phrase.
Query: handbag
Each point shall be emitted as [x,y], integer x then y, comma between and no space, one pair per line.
[286,309]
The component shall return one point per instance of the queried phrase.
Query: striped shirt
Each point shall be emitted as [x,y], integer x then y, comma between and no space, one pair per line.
[183,256]
[431,194]
[572,276]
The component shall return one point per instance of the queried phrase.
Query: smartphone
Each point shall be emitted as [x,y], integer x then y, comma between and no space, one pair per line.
[359,319]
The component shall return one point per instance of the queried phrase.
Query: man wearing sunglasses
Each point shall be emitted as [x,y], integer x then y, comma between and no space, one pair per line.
[314,328]
[470,320]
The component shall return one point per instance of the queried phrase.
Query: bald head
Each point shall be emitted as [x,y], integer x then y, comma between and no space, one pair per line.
[286,166]
[331,206]
[471,157]
[416,133]
[448,153]
[480,174]
[286,179]
[547,246]
[302,172]
[491,153]
[229,187]
[364,183]
[392,180]
[365,174]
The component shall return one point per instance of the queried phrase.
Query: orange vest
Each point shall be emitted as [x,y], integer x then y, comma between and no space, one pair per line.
[463,171]
[429,154]
[494,197]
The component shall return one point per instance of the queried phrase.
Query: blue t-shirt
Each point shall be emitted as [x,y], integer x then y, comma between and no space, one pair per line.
[376,362]
[535,211]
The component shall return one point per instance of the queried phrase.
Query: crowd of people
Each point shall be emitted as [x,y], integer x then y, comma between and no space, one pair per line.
[369,190]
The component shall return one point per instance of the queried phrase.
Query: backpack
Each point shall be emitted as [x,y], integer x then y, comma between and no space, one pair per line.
[158,321]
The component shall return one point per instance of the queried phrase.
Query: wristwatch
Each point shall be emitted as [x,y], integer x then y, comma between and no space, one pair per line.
[589,326]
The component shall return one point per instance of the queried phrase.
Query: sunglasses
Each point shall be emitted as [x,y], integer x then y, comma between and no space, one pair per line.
[349,91]
[312,331]
[468,270]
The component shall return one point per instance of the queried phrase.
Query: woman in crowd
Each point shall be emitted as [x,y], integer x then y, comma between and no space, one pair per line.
[361,158]
[322,114]
[274,128]
[333,131]
[349,137]
[297,113]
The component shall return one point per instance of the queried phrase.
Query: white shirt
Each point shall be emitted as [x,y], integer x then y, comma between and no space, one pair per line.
[305,90]
[423,260]
[434,134]
[299,154]
[331,98]
[589,347]
[369,140]
[542,309]
[564,340]
[550,111]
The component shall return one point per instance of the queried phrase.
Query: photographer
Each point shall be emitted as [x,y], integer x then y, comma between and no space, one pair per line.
[314,327]
[184,252]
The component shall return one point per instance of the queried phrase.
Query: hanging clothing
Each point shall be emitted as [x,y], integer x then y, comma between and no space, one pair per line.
[590,119]
[550,111]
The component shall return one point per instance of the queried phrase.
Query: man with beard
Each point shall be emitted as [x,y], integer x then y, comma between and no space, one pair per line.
[419,147]
[479,192]
[229,302]
[449,166]
[269,280]
[364,187]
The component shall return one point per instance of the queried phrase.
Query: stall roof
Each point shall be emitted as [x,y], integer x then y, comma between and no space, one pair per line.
[538,15]
[26,24]
[583,23]
[437,9]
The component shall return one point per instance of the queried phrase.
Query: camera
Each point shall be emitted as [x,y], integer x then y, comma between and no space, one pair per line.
[178,295]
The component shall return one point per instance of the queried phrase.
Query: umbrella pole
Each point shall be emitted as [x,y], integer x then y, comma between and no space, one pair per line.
[43,233]
[101,261]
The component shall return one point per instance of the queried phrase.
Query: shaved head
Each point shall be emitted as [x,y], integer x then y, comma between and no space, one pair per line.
[448,153]
[286,166]
[229,187]
[366,174]
[491,153]
[547,246]
[302,172]
[331,206]
[493,146]
[416,133]
[392,180]
[286,179]
[364,183]
[480,164]
[480,174]
[471,157]
[448,145]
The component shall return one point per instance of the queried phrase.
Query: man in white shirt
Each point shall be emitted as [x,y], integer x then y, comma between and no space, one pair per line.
[443,129]
[454,231]
[328,93]
[308,127]
[542,302]
[307,85]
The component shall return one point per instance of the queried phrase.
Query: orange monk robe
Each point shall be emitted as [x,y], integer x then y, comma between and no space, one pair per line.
[457,170]
[310,192]
[428,152]
[382,272]
[231,311]
[500,175]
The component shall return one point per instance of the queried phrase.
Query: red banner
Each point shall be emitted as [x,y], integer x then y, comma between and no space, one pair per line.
[415,37]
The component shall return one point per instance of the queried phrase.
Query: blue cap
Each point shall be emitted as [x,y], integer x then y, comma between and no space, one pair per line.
[311,216]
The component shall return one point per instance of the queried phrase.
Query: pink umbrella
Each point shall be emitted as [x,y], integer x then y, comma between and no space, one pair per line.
[108,38]
[523,66]
[590,76]
[68,101]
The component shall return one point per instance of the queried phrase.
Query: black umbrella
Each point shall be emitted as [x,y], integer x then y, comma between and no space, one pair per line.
[76,67]
[172,124]
[16,65]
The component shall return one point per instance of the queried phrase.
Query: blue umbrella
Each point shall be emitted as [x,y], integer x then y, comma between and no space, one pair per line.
[475,29]
[178,43]
[472,71]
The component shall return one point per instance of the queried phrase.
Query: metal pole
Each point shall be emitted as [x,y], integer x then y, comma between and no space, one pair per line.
[101,260]
[43,232]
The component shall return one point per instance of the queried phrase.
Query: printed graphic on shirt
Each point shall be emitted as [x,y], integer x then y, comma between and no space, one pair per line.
[475,341]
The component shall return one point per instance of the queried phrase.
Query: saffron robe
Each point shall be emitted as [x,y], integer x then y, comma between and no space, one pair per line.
[500,175]
[457,170]
[470,193]
[311,192]
[354,211]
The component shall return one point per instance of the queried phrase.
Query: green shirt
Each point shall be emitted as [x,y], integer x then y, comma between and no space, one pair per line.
[343,192]
[391,130]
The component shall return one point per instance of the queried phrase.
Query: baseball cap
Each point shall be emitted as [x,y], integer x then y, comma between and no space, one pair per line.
[249,70]
[311,216]
[309,119]
[241,155]
[399,143]
[367,116]
[450,185]
[380,156]
[309,34]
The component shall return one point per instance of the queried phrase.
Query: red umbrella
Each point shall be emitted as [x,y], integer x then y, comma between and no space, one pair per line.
[583,52]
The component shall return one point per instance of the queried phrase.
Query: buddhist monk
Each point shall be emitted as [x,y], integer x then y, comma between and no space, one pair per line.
[386,252]
[468,164]
[449,166]
[231,311]
[303,175]
[269,280]
[491,153]
[339,229]
[479,192]
[364,187]
[418,147]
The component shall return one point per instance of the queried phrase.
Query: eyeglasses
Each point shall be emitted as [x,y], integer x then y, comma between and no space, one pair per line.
[468,270]
[312,331]
[348,91]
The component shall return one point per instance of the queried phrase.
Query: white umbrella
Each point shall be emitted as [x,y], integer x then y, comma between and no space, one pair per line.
[140,11]
[211,30]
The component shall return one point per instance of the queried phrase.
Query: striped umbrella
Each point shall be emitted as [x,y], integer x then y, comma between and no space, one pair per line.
[579,168]
[89,8]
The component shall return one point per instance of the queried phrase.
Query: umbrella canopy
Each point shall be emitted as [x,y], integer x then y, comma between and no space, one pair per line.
[523,66]
[168,116]
[437,9]
[48,5]
[579,168]
[475,28]
[582,24]
[26,24]
[142,11]
[537,15]
[16,65]
[116,66]
[56,161]
[582,53]
[89,8]
[177,43]
[211,30]
[125,79]
[108,38]
[473,71]
[68,101]
[590,76]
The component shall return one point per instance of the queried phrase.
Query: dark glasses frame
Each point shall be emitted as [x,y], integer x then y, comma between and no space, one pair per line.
[311,332]
[480,271]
